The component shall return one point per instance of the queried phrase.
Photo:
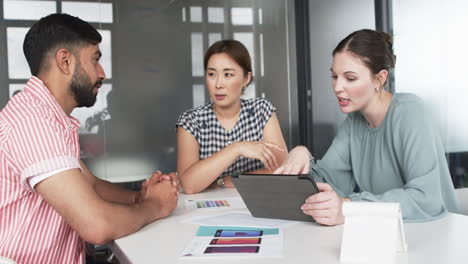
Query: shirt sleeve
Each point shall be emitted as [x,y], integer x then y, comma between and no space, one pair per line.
[34,180]
[419,155]
[40,145]
[263,110]
[335,166]
[188,122]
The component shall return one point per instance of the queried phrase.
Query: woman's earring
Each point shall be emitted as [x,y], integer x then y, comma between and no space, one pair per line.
[377,89]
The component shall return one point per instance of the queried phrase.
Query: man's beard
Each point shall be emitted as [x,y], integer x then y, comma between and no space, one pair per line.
[82,88]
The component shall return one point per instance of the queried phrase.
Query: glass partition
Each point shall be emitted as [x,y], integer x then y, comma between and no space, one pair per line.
[430,47]
[153,58]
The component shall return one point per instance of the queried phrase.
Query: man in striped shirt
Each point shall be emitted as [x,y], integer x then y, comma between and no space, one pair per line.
[50,203]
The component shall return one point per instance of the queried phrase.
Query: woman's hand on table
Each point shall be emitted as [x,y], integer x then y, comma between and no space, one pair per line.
[227,183]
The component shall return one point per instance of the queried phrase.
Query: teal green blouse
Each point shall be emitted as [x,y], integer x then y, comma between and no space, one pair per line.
[402,160]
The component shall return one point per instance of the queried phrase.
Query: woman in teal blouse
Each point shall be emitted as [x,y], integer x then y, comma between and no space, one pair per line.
[386,146]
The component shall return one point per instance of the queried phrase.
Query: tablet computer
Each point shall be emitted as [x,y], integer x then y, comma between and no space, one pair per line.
[276,196]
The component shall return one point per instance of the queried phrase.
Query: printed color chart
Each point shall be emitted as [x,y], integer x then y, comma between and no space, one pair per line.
[204,204]
[215,203]
[234,241]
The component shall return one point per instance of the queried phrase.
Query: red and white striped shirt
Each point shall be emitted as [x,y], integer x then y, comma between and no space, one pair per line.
[36,137]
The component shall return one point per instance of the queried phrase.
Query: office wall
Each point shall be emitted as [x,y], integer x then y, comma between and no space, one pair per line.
[330,22]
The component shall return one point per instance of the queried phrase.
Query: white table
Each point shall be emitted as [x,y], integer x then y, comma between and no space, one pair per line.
[440,241]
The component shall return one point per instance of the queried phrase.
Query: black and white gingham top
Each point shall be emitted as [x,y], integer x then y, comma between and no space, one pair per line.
[202,123]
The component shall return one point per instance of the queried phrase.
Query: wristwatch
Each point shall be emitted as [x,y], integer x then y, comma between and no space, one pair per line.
[311,158]
[220,182]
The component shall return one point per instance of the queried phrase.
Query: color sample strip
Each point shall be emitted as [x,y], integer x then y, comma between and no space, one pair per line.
[233,249]
[211,230]
[235,241]
[214,203]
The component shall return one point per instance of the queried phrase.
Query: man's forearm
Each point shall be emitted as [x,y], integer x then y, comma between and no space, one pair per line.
[114,193]
[106,190]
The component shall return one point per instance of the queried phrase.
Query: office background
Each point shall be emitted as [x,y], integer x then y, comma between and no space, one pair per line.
[153,58]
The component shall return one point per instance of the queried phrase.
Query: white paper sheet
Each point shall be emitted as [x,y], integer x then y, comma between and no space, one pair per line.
[236,218]
[269,245]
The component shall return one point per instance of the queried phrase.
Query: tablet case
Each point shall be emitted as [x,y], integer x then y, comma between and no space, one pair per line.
[276,196]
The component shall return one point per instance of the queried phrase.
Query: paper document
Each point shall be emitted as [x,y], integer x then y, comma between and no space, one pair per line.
[238,218]
[221,203]
[235,241]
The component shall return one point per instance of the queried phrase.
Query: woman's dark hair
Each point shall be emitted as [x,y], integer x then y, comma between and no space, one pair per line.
[233,49]
[54,32]
[375,49]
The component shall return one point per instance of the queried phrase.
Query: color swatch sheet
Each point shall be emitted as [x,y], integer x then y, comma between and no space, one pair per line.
[235,241]
[232,203]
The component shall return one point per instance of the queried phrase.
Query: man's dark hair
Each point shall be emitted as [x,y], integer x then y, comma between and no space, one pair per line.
[54,32]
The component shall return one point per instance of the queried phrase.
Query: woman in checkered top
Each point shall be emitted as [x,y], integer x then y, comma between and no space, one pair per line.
[229,135]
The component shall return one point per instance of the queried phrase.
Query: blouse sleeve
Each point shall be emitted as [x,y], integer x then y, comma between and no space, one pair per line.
[263,110]
[188,121]
[335,167]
